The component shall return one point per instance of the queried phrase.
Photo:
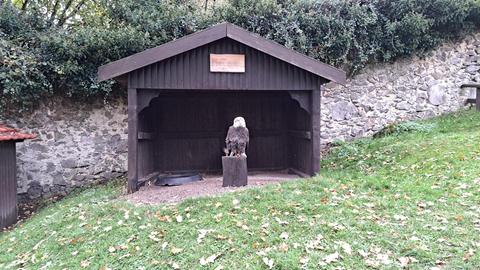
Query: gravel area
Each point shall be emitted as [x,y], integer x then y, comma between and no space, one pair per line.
[210,185]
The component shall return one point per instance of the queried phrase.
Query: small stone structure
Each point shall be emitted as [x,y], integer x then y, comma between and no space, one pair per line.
[83,143]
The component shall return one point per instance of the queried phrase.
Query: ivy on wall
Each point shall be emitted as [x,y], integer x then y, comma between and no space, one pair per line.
[41,57]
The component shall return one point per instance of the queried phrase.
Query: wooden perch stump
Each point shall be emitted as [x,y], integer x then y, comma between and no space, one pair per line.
[235,171]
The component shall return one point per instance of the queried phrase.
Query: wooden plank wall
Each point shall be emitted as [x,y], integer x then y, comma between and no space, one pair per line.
[190,129]
[146,154]
[8,184]
[299,148]
[190,70]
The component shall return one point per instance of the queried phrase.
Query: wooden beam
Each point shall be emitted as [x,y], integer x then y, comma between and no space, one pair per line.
[149,178]
[470,85]
[215,134]
[301,134]
[146,135]
[315,130]
[297,172]
[303,99]
[132,141]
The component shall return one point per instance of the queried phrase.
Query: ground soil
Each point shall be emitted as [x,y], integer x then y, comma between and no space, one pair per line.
[210,185]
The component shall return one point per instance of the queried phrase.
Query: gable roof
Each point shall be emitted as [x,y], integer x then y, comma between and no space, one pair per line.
[219,31]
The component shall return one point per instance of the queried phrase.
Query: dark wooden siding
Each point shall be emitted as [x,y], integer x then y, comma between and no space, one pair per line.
[190,70]
[299,147]
[189,129]
[8,184]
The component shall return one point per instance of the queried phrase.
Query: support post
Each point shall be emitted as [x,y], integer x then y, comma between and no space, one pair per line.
[132,141]
[315,99]
[477,99]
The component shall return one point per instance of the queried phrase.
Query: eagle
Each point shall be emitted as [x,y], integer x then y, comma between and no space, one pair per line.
[237,138]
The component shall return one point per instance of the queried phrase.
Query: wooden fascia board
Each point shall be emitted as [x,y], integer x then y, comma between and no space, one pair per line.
[290,56]
[159,53]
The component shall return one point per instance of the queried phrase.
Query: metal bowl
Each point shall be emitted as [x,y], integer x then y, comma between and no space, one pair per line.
[177,179]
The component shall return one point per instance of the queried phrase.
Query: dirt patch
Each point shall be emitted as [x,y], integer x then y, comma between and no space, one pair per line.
[211,185]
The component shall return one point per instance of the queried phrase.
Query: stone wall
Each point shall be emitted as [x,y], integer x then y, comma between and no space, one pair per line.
[76,144]
[405,90]
[84,143]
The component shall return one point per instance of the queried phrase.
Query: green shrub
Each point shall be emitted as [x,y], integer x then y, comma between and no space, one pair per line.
[405,127]
[39,59]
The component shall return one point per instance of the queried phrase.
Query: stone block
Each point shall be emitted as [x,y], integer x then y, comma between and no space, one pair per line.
[436,94]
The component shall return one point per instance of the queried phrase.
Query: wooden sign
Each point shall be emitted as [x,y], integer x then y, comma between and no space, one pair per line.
[234,63]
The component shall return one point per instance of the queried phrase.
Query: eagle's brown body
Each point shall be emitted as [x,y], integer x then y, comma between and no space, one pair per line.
[237,140]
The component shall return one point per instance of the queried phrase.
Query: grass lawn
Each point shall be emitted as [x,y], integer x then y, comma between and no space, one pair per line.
[405,200]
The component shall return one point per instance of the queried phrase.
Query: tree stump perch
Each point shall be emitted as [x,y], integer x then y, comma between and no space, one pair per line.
[235,172]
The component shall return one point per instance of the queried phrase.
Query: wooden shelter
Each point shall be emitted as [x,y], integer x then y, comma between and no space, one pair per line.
[8,174]
[183,95]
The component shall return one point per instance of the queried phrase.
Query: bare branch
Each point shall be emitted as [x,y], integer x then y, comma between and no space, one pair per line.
[74,12]
[64,11]
[24,5]
[54,12]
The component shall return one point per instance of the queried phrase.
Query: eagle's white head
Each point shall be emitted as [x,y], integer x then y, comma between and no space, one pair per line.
[239,122]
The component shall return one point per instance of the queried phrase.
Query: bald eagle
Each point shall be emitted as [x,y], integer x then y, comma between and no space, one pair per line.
[237,138]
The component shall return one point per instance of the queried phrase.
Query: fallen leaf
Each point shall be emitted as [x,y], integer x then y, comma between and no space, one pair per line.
[346,248]
[331,258]
[179,218]
[281,222]
[283,247]
[84,264]
[176,250]
[218,217]
[268,262]
[175,265]
[405,261]
[304,260]
[372,263]
[468,254]
[201,234]
[284,235]
[400,217]
[210,259]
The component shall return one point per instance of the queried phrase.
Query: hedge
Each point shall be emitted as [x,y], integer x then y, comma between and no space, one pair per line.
[38,60]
